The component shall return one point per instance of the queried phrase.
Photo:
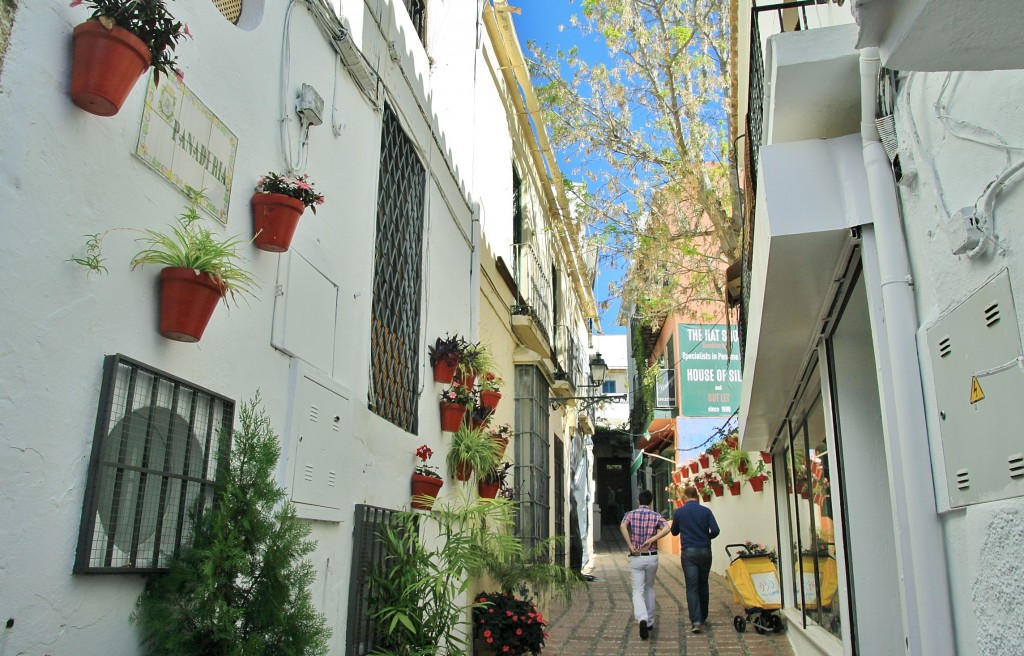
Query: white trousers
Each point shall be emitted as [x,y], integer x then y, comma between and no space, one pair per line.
[642,570]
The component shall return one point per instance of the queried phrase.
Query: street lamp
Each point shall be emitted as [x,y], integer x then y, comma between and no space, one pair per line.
[598,372]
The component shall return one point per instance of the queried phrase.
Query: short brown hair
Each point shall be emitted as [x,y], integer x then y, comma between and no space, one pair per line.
[690,492]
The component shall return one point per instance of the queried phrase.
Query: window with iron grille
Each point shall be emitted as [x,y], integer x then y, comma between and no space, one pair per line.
[394,339]
[232,9]
[560,501]
[418,13]
[517,218]
[160,443]
[368,555]
[532,460]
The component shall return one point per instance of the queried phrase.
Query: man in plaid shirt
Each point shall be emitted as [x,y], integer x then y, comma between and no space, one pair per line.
[637,527]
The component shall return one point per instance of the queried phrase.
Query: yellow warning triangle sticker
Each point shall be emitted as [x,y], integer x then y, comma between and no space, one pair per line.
[977,393]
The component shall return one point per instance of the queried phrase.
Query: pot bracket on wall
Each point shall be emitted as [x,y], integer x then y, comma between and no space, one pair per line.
[978,369]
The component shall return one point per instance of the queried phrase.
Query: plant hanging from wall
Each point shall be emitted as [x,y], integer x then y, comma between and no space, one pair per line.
[111,50]
[277,204]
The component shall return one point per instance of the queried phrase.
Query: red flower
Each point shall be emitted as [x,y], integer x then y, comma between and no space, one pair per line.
[487,633]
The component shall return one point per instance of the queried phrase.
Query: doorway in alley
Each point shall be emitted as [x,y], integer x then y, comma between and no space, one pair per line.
[614,492]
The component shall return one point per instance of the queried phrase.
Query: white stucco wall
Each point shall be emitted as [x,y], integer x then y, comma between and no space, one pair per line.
[946,169]
[65,173]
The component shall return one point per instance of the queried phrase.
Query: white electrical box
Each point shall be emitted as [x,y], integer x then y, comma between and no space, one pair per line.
[310,106]
[975,351]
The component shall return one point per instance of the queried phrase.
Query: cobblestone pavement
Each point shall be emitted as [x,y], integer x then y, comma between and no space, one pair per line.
[599,620]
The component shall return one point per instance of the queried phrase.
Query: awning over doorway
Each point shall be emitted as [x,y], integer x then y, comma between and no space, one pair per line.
[661,434]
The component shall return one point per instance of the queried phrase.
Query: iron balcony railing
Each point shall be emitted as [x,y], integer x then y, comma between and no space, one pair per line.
[534,287]
[774,18]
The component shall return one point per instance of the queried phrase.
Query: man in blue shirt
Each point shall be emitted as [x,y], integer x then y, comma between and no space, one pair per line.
[696,527]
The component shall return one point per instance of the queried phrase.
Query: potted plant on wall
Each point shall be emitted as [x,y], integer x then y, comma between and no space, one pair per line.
[200,269]
[455,400]
[111,50]
[758,476]
[277,203]
[502,434]
[445,355]
[471,451]
[475,359]
[490,390]
[493,480]
[426,481]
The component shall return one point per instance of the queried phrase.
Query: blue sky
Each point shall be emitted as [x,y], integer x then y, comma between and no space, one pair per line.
[540,21]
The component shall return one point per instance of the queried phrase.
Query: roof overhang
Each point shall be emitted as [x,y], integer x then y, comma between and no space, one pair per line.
[810,194]
[661,433]
[942,35]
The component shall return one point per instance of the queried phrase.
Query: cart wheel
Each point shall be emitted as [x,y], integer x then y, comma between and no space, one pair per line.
[739,623]
[776,624]
[760,624]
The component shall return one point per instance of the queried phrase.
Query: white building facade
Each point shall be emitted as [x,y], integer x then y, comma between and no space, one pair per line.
[415,153]
[882,362]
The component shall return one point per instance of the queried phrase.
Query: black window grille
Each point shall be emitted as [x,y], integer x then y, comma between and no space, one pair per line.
[517,219]
[159,445]
[368,555]
[532,461]
[418,13]
[560,501]
[396,278]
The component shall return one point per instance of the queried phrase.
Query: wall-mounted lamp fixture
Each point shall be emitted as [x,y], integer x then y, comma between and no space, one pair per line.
[598,371]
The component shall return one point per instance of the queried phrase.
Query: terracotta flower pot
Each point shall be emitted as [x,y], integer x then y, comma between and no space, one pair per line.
[503,441]
[694,467]
[742,467]
[425,486]
[704,460]
[444,371]
[274,217]
[705,497]
[490,399]
[678,503]
[718,489]
[766,457]
[487,490]
[451,416]
[734,488]
[677,476]
[463,471]
[757,483]
[715,452]
[187,302]
[105,66]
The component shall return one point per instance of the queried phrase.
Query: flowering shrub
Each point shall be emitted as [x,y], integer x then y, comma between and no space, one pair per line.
[423,469]
[507,624]
[299,188]
[756,549]
[503,431]
[457,393]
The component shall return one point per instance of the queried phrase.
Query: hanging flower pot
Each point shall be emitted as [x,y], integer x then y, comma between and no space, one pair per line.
[451,416]
[718,489]
[742,467]
[679,502]
[704,460]
[444,370]
[694,467]
[716,451]
[757,482]
[705,498]
[187,301]
[463,471]
[274,217]
[503,441]
[766,457]
[487,490]
[490,399]
[734,488]
[105,66]
[424,491]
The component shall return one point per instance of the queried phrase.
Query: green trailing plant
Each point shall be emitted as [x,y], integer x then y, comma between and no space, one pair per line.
[476,359]
[241,588]
[472,447]
[188,244]
[150,21]
[730,460]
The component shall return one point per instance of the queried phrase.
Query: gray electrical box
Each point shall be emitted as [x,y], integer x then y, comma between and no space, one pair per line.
[979,387]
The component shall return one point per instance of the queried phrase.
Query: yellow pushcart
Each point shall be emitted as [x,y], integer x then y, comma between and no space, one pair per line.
[755,586]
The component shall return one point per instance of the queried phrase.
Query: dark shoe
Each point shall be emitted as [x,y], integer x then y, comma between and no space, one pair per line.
[643,629]
[697,628]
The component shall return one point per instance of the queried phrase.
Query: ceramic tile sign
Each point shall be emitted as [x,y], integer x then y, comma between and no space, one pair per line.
[182,140]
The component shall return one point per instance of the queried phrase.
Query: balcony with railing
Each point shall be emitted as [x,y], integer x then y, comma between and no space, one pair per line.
[572,365]
[532,316]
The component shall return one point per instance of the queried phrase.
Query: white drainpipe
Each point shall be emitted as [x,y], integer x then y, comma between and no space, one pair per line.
[922,548]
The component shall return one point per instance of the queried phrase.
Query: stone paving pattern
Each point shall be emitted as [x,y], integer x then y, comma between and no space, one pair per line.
[599,620]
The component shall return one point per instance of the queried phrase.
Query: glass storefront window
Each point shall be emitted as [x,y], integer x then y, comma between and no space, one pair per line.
[815,583]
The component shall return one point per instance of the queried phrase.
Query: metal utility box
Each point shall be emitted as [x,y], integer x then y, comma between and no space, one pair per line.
[978,368]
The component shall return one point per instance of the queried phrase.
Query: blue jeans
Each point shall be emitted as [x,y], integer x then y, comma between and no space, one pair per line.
[696,567]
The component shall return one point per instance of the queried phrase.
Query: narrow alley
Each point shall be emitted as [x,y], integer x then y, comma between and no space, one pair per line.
[600,619]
